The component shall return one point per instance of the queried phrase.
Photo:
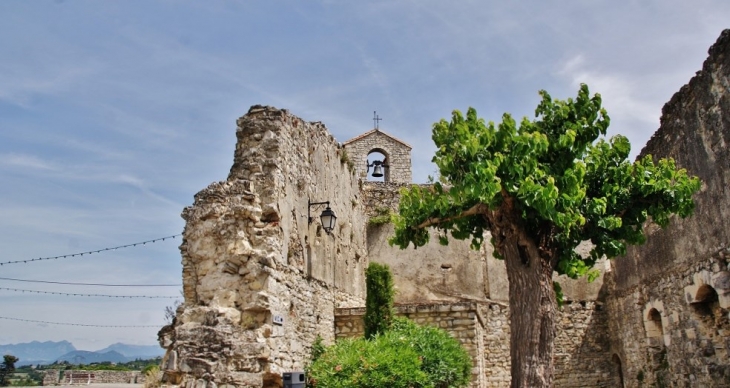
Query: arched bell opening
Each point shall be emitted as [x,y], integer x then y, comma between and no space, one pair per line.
[378,166]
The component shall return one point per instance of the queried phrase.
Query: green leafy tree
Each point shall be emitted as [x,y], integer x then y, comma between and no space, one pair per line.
[541,187]
[7,368]
[378,299]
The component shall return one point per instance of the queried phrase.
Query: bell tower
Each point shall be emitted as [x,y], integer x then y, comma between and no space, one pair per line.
[393,163]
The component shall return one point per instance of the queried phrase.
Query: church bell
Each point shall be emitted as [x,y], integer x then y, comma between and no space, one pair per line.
[377,171]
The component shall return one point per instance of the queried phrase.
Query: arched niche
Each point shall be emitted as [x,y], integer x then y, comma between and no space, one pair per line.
[706,301]
[698,291]
[707,310]
[656,324]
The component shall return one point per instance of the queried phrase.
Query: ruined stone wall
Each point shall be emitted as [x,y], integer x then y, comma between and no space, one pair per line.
[102,377]
[51,377]
[397,155]
[84,377]
[669,299]
[260,280]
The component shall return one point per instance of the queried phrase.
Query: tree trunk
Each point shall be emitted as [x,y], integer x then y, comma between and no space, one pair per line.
[532,312]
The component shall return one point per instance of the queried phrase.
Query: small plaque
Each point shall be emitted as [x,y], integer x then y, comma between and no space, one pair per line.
[278,320]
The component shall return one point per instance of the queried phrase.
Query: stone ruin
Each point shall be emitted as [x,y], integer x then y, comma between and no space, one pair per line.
[262,278]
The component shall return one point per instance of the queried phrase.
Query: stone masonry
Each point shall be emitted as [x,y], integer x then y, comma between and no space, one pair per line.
[85,377]
[262,280]
[669,299]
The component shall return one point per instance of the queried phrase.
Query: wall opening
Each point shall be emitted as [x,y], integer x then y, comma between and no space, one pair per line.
[618,370]
[654,328]
[707,301]
[707,309]
[379,155]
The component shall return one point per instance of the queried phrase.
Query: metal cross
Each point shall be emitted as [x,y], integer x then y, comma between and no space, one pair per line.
[376,120]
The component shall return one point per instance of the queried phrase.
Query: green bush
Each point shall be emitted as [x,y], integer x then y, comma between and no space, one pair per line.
[378,299]
[444,360]
[408,355]
[367,364]
[318,348]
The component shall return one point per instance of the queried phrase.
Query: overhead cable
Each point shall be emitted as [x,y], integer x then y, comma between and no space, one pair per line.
[92,284]
[75,324]
[100,295]
[91,252]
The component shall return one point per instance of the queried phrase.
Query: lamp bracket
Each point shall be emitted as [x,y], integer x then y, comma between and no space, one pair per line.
[316,206]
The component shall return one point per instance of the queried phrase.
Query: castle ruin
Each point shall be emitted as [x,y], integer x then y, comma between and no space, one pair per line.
[262,278]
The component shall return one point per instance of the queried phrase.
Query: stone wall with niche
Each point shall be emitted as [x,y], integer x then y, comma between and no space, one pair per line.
[261,281]
[668,299]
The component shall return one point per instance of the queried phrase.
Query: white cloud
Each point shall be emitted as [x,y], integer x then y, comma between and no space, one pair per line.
[26,161]
[619,91]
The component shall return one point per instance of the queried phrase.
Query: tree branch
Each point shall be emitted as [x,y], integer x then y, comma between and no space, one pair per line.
[479,208]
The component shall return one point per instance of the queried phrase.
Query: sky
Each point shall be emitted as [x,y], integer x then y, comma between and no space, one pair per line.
[113,114]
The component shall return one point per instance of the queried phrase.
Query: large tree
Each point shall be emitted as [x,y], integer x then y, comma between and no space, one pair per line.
[540,188]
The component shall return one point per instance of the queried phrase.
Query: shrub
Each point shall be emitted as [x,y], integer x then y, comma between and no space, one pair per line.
[152,377]
[378,299]
[444,360]
[408,355]
[367,364]
[318,348]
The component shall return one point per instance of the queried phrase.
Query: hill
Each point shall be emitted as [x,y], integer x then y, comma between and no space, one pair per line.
[37,352]
[87,357]
[135,351]
[43,353]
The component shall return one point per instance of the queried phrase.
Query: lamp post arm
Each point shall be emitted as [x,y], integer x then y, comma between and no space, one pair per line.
[309,208]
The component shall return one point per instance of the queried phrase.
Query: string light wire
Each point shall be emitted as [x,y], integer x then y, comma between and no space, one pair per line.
[77,324]
[92,284]
[92,252]
[99,295]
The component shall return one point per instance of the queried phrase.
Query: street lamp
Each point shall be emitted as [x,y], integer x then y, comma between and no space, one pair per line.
[328,217]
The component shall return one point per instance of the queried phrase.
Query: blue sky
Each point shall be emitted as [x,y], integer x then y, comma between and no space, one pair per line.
[113,114]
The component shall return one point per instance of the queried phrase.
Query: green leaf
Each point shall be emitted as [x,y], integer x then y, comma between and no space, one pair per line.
[559,297]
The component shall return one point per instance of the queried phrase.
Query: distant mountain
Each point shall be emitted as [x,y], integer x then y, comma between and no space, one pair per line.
[135,351]
[33,353]
[37,352]
[87,357]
